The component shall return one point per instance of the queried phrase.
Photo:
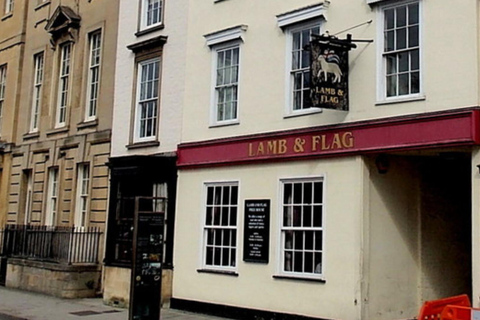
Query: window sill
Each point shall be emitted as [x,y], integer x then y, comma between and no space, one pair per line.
[6,16]
[294,278]
[87,124]
[57,130]
[400,100]
[221,272]
[146,144]
[302,113]
[149,30]
[41,5]
[224,124]
[31,135]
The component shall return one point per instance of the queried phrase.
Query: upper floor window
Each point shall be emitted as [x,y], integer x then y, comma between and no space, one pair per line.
[226,84]
[3,82]
[95,47]
[299,66]
[37,91]
[147,99]
[63,84]
[152,13]
[8,6]
[401,51]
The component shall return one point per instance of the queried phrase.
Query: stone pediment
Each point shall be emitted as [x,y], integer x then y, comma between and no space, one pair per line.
[62,20]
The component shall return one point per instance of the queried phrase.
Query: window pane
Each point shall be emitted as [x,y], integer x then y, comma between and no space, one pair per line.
[389,19]
[403,84]
[391,64]
[389,41]
[401,38]
[391,86]
[415,82]
[317,216]
[413,36]
[403,62]
[414,60]
[401,17]
[413,13]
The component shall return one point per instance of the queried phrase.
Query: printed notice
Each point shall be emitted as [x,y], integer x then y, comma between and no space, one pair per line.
[256,240]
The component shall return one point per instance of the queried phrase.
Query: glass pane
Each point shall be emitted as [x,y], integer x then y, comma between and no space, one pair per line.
[297,218]
[234,238]
[296,41]
[413,13]
[305,59]
[309,240]
[209,195]
[220,60]
[414,60]
[391,86]
[220,77]
[287,216]
[317,192]
[391,64]
[403,87]
[233,216]
[305,38]
[209,258]
[297,100]
[389,41]
[217,237]
[298,261]
[298,240]
[287,263]
[225,256]
[318,241]
[226,195]
[307,193]
[318,263]
[308,262]
[234,197]
[208,218]
[401,38]
[317,216]
[295,60]
[216,216]
[210,237]
[307,216]
[297,193]
[225,216]
[415,82]
[389,19]
[217,257]
[218,193]
[227,237]
[403,62]
[288,239]
[401,17]
[413,36]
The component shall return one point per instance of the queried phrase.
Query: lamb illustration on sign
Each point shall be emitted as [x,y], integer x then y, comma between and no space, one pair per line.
[329,63]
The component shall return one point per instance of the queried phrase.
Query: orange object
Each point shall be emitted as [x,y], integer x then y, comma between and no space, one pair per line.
[432,310]
[459,313]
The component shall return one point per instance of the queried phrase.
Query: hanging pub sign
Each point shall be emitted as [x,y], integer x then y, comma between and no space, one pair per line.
[329,72]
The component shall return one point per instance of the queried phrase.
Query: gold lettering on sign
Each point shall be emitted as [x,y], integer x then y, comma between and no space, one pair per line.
[338,141]
[272,147]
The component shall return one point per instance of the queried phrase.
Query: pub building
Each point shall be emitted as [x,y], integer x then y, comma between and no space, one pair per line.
[294,203]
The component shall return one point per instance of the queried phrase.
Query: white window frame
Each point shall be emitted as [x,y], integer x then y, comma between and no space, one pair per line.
[95,43]
[316,271]
[38,66]
[9,6]
[51,214]
[218,228]
[140,136]
[28,197]
[63,96]
[83,195]
[145,11]
[290,78]
[3,84]
[234,85]
[381,55]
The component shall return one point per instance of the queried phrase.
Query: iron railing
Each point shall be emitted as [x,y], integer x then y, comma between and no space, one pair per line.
[65,245]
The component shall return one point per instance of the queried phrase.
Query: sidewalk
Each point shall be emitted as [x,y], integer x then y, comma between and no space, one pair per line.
[23,305]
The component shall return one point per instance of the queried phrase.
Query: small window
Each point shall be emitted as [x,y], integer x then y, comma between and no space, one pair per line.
[400,51]
[63,84]
[299,66]
[147,99]
[226,84]
[9,6]
[302,228]
[83,188]
[220,228]
[95,47]
[3,82]
[152,13]
[37,91]
[52,197]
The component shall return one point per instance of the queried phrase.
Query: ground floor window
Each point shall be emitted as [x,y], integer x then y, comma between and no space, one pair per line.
[302,227]
[220,229]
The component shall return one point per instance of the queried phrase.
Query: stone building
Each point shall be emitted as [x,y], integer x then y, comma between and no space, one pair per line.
[58,119]
[287,206]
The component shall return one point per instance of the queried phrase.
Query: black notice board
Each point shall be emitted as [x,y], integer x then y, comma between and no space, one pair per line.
[146,282]
[256,236]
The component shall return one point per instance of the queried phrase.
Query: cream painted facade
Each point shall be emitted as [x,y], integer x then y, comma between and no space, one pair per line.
[393,237]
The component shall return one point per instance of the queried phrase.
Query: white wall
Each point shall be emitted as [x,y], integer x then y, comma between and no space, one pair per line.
[449,61]
[172,77]
[254,287]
